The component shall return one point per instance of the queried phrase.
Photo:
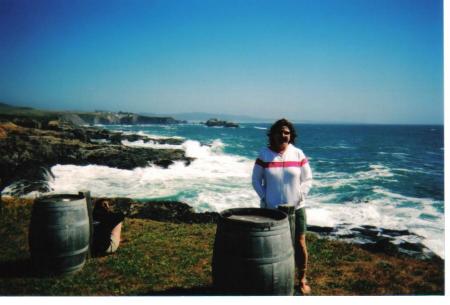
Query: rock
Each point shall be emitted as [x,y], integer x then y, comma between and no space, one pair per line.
[53,125]
[376,239]
[369,231]
[395,232]
[73,119]
[383,245]
[217,122]
[320,230]
[146,139]
[130,157]
[170,141]
[415,247]
[173,211]
[27,122]
[116,138]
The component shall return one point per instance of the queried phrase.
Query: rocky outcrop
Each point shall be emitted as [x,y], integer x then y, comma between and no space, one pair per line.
[26,153]
[378,240]
[219,123]
[172,211]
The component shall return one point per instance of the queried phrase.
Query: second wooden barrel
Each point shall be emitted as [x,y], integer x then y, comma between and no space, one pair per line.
[253,253]
[59,234]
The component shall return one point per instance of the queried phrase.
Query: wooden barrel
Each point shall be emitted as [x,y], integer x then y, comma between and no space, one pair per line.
[253,253]
[59,234]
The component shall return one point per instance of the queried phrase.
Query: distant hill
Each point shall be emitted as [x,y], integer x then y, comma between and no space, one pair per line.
[204,116]
[9,112]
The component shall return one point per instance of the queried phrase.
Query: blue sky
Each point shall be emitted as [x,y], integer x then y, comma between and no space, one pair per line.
[324,60]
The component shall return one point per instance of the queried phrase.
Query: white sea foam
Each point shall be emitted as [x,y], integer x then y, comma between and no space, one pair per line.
[100,141]
[336,179]
[261,128]
[149,144]
[214,181]
[433,153]
[398,155]
[390,211]
[338,146]
[150,135]
[376,170]
[383,208]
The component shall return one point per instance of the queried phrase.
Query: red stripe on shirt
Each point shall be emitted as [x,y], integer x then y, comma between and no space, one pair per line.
[281,164]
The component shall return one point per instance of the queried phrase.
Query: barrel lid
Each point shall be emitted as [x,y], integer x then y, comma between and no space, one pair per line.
[257,217]
[59,198]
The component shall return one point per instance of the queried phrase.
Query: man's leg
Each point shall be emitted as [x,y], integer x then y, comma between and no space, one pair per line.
[115,239]
[302,264]
[301,251]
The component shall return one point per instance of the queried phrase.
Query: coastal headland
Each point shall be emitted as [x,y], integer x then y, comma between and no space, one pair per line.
[32,141]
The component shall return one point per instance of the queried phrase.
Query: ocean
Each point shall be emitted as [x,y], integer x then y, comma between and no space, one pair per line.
[387,176]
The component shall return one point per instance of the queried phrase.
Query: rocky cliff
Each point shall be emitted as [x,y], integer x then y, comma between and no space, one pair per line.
[27,153]
[36,118]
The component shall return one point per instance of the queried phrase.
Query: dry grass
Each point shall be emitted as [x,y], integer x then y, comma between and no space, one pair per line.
[7,127]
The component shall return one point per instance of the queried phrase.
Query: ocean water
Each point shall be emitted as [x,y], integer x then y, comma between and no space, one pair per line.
[386,176]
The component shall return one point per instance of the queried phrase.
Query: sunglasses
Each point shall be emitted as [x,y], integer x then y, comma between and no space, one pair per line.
[285,133]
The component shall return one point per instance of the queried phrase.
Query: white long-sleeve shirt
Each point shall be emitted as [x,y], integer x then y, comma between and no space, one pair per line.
[282,178]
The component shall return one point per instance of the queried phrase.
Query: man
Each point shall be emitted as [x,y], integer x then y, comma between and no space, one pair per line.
[282,175]
[107,228]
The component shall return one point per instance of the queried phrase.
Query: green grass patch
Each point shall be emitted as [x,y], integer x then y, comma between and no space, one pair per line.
[162,258]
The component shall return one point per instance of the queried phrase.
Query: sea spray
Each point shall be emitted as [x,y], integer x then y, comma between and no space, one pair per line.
[213,181]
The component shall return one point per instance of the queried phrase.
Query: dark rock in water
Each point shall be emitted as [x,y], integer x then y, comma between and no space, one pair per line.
[395,232]
[115,138]
[382,245]
[219,123]
[369,227]
[411,246]
[129,157]
[320,230]
[369,231]
[146,139]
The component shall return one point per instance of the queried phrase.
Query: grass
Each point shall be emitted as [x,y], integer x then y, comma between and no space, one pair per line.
[163,258]
[13,112]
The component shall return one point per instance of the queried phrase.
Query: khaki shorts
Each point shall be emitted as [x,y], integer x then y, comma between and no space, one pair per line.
[300,222]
